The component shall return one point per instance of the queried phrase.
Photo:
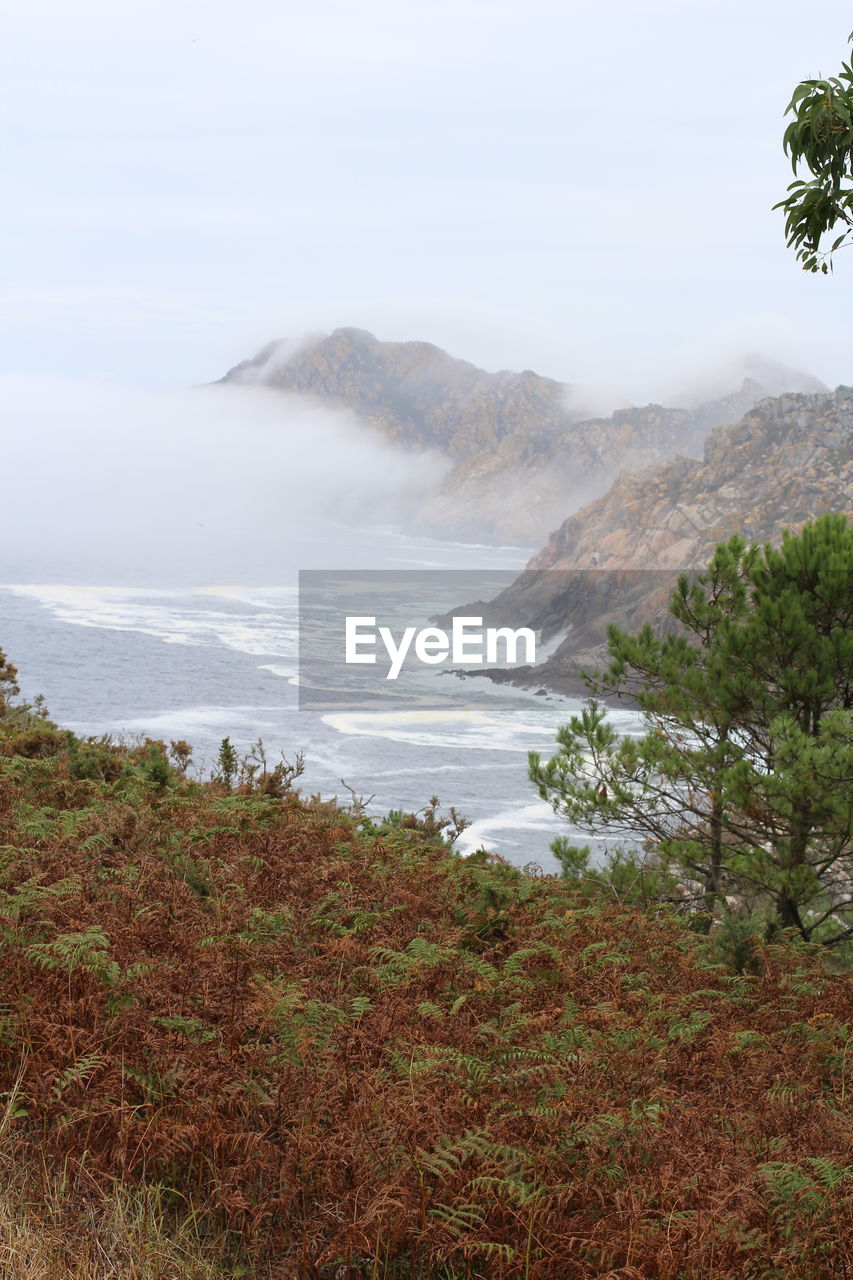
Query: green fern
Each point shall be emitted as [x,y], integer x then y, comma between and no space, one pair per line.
[460,1219]
[747,1039]
[85,951]
[688,1029]
[195,1030]
[77,1073]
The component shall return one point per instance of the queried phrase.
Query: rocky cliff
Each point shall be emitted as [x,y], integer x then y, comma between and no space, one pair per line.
[524,452]
[789,459]
[414,392]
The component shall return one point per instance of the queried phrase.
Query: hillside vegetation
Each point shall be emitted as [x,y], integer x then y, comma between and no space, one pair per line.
[248,1034]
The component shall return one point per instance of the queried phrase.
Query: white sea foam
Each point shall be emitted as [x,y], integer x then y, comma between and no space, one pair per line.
[203,725]
[488,767]
[290,674]
[482,833]
[537,816]
[446,727]
[150,611]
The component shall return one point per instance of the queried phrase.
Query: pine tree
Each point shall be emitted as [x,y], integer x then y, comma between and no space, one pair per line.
[742,778]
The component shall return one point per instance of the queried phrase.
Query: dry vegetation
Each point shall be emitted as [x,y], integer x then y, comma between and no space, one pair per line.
[241,1035]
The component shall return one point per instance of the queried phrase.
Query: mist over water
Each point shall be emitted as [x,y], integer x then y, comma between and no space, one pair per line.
[208,484]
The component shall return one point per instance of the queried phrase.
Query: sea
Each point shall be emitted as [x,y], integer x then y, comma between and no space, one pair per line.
[202,659]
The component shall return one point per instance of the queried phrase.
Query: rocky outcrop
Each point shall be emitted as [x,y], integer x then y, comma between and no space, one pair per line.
[787,461]
[524,452]
[414,392]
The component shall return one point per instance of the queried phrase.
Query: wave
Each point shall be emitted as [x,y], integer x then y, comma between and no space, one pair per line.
[465,728]
[176,616]
[205,726]
[537,816]
[290,674]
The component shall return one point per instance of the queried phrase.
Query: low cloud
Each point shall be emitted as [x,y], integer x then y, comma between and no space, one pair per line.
[698,372]
[213,484]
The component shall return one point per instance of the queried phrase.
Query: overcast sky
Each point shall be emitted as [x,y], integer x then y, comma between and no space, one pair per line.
[584,191]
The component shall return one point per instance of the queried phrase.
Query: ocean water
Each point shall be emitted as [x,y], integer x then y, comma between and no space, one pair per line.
[199,662]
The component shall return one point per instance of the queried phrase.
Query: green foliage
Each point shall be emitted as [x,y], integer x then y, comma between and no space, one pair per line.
[820,137]
[93,759]
[86,951]
[741,781]
[227,762]
[801,1197]
[428,822]
[9,688]
[625,873]
[249,773]
[17,716]
[736,941]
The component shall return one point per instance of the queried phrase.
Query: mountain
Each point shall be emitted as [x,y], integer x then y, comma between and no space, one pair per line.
[524,451]
[788,460]
[414,392]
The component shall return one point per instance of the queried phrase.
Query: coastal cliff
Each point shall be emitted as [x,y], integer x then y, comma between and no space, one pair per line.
[524,450]
[615,561]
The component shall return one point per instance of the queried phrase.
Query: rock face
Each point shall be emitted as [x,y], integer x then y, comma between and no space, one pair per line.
[414,392]
[524,453]
[787,461]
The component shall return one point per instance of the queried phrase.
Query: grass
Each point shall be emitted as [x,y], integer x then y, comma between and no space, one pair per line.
[50,1232]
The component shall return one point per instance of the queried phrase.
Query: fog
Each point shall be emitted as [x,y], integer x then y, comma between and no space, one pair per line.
[697,372]
[241,483]
[203,485]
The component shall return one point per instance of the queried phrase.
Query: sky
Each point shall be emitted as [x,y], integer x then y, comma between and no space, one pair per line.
[584,191]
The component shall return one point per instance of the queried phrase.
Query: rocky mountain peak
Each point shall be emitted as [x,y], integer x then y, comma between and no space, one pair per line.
[524,452]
